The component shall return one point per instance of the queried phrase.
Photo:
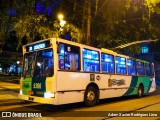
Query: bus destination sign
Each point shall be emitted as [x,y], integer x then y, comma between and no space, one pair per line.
[37,46]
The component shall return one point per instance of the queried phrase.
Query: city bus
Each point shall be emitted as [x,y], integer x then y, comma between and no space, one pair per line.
[58,71]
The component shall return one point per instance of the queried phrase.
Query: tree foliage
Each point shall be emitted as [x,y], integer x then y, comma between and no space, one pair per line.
[124,22]
[32,23]
[30,26]
[113,22]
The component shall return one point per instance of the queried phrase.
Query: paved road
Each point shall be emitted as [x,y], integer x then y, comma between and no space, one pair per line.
[107,109]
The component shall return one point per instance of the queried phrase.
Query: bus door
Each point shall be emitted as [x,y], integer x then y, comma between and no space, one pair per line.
[28,69]
[43,69]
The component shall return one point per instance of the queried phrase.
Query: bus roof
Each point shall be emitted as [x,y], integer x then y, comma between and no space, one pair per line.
[36,42]
[108,51]
[90,47]
[77,44]
[141,61]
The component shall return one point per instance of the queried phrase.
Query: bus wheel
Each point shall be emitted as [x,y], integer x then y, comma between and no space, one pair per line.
[91,96]
[140,91]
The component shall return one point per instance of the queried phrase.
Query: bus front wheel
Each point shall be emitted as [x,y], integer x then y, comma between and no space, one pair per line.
[91,96]
[140,91]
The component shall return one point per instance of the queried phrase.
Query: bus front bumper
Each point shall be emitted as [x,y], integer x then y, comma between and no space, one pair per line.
[38,99]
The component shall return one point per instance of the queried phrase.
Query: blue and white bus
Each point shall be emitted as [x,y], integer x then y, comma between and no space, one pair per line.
[57,71]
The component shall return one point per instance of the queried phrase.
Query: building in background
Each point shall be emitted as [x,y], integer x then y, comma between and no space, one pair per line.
[15,69]
[10,63]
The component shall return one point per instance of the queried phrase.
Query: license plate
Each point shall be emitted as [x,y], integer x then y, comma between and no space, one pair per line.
[30,99]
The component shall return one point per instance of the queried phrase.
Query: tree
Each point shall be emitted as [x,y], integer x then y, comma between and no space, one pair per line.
[5,28]
[68,29]
[33,22]
[122,22]
[30,26]
[113,22]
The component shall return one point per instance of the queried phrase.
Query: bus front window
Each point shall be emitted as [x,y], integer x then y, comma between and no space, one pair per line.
[28,64]
[44,63]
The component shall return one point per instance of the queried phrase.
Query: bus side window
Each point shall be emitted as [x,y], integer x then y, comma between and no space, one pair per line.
[148,70]
[131,67]
[69,57]
[90,60]
[140,68]
[107,63]
[120,65]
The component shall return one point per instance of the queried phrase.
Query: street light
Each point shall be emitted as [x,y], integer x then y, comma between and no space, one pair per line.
[60,16]
[62,23]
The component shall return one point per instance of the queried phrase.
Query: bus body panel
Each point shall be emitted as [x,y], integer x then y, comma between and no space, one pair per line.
[70,97]
[33,89]
[26,85]
[38,99]
[110,87]
[67,81]
[135,82]
[38,86]
[74,84]
[50,84]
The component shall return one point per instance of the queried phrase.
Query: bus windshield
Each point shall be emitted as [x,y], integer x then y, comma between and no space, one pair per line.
[38,64]
[28,64]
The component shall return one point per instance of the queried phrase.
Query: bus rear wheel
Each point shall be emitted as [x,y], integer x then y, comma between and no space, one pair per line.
[140,91]
[91,96]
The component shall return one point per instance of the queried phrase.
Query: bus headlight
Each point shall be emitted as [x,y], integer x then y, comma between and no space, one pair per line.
[49,95]
[20,92]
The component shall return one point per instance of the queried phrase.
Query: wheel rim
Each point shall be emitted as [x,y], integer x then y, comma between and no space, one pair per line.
[90,96]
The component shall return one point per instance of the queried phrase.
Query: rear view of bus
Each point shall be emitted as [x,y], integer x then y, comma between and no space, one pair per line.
[38,72]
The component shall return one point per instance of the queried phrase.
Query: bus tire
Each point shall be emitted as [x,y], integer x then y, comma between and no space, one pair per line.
[90,96]
[140,91]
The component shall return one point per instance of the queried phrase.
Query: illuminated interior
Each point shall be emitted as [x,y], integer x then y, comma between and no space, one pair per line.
[120,65]
[107,63]
[69,57]
[131,67]
[40,65]
[140,68]
[90,60]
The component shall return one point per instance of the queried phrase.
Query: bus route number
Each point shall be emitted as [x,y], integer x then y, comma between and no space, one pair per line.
[37,85]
